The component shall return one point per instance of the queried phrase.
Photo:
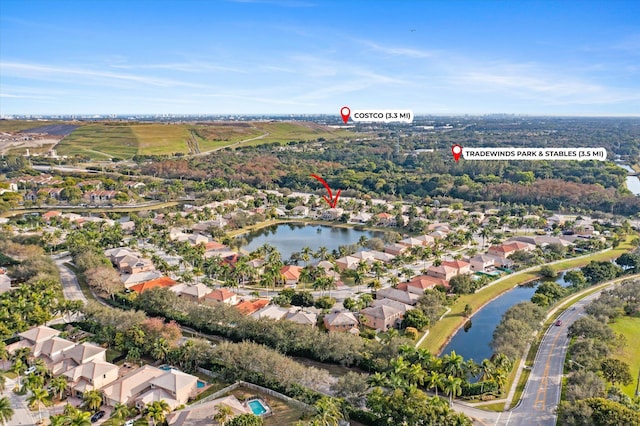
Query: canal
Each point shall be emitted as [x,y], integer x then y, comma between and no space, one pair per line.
[633,182]
[474,342]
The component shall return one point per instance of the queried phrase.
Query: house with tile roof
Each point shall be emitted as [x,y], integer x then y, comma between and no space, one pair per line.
[248,307]
[174,387]
[222,295]
[340,321]
[193,292]
[91,376]
[382,317]
[460,266]
[291,274]
[155,283]
[301,317]
[443,272]
[127,388]
[421,283]
[398,295]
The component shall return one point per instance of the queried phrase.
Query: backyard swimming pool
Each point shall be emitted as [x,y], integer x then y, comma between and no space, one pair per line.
[258,407]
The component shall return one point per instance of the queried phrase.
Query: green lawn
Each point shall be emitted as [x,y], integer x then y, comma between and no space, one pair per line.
[630,328]
[100,142]
[158,139]
[284,132]
[444,328]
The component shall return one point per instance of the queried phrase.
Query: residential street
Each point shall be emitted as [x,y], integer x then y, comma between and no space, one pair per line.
[21,414]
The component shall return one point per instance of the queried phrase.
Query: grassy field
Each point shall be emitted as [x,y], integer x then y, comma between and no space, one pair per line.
[443,329]
[630,328]
[101,142]
[284,132]
[157,139]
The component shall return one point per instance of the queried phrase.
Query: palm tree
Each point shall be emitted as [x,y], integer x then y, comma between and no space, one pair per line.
[435,380]
[38,398]
[160,349]
[224,412]
[156,411]
[121,411]
[328,412]
[6,412]
[80,418]
[92,399]
[321,253]
[453,365]
[452,387]
[58,385]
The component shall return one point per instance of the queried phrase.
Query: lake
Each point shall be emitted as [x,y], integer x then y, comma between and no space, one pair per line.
[293,237]
[633,182]
[474,343]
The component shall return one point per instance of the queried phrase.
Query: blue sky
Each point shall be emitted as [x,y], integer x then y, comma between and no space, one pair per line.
[314,56]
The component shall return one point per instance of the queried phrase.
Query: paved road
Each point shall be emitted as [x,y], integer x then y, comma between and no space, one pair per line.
[70,286]
[21,414]
[541,396]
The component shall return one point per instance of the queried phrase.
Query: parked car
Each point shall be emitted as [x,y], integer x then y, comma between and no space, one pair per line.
[128,423]
[558,323]
[30,370]
[97,416]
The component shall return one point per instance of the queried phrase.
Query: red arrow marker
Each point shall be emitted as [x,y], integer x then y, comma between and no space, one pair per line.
[330,200]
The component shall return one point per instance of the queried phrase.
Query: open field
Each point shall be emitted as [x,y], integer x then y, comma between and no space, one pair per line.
[158,139]
[100,141]
[444,329]
[284,132]
[630,328]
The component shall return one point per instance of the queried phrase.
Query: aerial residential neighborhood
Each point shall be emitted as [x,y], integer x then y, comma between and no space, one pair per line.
[319,213]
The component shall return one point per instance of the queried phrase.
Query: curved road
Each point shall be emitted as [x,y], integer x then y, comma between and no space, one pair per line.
[541,395]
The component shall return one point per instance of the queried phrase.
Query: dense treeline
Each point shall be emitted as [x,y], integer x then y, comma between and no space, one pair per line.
[37,294]
[285,336]
[375,167]
[592,395]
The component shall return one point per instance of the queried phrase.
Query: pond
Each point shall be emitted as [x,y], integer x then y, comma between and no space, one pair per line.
[474,342]
[293,237]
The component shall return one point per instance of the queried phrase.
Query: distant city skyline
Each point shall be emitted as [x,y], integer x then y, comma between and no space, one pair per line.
[314,56]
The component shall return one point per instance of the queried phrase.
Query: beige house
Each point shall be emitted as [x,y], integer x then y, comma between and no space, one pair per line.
[443,272]
[461,266]
[148,384]
[382,317]
[340,321]
[482,263]
[195,293]
[174,387]
[398,295]
[90,376]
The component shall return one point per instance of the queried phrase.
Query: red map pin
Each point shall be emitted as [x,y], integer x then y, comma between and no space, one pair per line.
[345,112]
[457,151]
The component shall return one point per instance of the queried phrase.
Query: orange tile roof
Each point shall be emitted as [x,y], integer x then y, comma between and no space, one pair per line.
[220,294]
[158,282]
[458,264]
[51,213]
[291,272]
[248,307]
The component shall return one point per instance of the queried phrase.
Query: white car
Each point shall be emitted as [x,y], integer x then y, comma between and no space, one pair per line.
[129,423]
[30,370]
